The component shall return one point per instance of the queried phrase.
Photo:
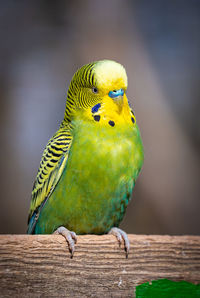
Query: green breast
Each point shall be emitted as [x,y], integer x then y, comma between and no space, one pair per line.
[97,182]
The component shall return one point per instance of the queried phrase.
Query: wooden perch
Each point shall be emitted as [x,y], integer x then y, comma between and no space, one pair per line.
[40,265]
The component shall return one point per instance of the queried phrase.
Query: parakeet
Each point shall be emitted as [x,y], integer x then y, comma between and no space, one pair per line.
[90,165]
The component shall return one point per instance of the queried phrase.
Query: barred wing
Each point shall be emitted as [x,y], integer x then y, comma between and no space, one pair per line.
[51,167]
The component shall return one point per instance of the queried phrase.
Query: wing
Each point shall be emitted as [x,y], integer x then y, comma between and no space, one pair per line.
[51,167]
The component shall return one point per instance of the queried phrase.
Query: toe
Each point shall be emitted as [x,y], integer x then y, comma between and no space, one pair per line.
[115,232]
[70,237]
[74,237]
[126,242]
[121,237]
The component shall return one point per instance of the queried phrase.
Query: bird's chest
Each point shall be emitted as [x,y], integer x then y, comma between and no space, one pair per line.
[92,193]
[101,156]
[98,175]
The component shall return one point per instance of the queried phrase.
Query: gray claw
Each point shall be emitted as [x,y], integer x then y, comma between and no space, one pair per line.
[121,237]
[70,237]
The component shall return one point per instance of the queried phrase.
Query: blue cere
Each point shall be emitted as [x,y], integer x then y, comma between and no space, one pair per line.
[116,93]
[96,108]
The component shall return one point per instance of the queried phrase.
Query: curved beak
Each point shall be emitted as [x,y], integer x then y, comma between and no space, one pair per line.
[117,95]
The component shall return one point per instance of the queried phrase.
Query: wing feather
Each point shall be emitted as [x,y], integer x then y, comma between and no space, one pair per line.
[53,161]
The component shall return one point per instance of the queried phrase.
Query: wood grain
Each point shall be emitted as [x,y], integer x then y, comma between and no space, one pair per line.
[40,265]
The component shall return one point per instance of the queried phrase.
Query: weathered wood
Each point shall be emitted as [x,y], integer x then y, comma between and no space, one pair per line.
[40,265]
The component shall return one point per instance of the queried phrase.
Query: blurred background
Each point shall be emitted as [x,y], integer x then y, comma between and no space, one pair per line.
[42,45]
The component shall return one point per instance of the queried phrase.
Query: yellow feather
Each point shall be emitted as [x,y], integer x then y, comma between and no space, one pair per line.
[110,74]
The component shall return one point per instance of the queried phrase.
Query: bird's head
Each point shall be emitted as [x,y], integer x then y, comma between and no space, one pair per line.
[97,93]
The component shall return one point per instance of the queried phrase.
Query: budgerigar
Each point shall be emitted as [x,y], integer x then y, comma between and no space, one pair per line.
[90,165]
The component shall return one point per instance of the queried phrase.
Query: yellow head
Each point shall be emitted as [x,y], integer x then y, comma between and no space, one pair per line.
[97,93]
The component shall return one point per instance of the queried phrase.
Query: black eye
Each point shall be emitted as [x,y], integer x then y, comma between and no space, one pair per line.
[94,90]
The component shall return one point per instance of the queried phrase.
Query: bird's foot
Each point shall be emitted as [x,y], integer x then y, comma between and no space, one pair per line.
[121,237]
[70,237]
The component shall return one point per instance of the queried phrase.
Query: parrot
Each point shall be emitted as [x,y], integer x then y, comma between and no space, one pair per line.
[89,167]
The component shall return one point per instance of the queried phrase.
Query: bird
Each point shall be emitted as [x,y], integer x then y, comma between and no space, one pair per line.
[89,167]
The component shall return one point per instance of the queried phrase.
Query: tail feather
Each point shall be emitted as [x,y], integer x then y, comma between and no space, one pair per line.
[32,223]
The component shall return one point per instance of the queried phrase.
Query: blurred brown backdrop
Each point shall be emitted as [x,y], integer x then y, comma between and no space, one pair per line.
[158,42]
